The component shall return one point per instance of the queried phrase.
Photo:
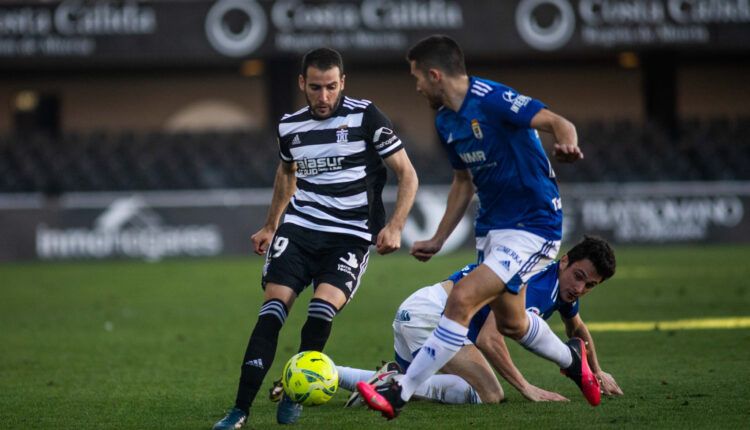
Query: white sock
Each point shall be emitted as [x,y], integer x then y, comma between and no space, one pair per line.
[349,376]
[439,348]
[450,389]
[542,341]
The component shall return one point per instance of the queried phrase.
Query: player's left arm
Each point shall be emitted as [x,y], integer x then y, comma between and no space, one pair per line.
[388,145]
[566,147]
[575,327]
[389,238]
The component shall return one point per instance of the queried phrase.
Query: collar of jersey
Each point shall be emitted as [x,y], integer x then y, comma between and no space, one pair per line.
[467,96]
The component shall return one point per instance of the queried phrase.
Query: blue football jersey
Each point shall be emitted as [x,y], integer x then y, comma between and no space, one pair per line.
[542,297]
[491,135]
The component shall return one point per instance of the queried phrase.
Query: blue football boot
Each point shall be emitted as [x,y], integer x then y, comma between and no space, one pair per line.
[288,412]
[234,419]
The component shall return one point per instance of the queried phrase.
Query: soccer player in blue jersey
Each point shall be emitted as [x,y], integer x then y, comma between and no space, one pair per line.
[489,132]
[469,379]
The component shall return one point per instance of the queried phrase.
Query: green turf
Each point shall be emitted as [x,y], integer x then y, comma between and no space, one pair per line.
[130,345]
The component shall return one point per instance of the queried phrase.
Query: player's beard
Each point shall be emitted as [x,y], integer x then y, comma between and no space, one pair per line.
[434,98]
[331,108]
[435,102]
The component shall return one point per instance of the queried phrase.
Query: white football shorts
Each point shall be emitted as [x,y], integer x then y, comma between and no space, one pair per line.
[516,255]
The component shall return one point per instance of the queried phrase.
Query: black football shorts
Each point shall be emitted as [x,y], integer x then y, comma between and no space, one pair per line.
[299,256]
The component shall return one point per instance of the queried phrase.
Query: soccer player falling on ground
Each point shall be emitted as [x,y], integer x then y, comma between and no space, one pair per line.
[329,180]
[489,132]
[467,377]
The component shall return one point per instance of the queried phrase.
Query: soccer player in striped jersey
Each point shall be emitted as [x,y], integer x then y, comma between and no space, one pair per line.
[490,134]
[332,171]
[467,377]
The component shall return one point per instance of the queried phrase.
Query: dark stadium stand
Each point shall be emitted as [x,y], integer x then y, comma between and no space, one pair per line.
[110,161]
[621,151]
[701,150]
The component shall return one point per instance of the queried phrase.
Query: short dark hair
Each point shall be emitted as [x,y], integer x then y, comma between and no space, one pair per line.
[322,59]
[438,52]
[598,251]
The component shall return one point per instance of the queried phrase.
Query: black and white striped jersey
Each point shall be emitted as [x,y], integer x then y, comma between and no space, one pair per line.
[340,169]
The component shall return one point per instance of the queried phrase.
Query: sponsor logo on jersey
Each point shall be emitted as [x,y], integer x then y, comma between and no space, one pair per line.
[313,166]
[517,101]
[390,141]
[296,140]
[473,157]
[476,129]
[403,315]
[380,132]
[505,264]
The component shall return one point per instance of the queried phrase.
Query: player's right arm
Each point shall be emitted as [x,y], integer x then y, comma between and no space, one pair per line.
[284,186]
[492,345]
[506,105]
[459,197]
[574,326]
[566,147]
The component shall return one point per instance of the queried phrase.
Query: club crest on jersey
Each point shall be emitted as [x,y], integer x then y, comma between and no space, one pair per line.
[476,129]
[342,134]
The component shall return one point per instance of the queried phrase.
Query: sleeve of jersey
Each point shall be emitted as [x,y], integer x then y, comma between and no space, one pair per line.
[284,152]
[569,310]
[506,105]
[380,131]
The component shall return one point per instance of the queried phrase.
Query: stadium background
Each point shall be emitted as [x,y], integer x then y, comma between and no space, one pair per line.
[141,130]
[107,105]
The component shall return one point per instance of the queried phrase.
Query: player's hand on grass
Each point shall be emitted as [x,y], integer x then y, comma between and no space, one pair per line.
[536,394]
[262,239]
[389,240]
[567,153]
[423,250]
[608,384]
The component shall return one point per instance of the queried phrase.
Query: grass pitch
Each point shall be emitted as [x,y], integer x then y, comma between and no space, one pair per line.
[131,345]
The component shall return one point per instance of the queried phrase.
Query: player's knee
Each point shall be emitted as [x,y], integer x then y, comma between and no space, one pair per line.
[459,306]
[491,396]
[512,328]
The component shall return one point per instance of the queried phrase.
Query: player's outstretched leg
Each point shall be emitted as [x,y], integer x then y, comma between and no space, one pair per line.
[439,348]
[382,375]
[581,373]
